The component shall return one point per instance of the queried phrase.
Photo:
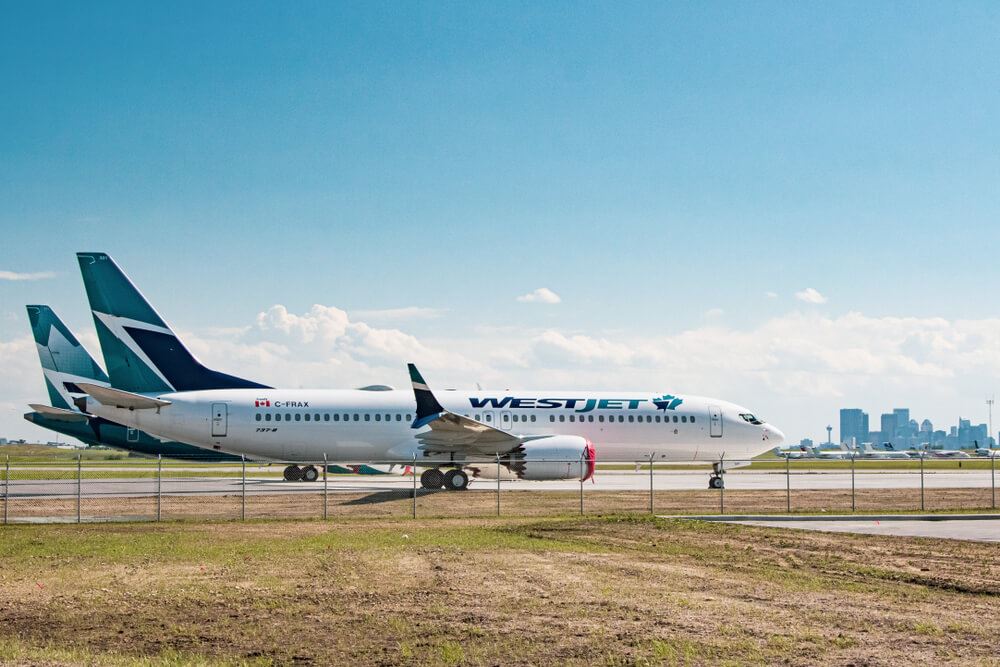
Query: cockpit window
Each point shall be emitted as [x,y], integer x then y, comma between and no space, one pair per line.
[750,418]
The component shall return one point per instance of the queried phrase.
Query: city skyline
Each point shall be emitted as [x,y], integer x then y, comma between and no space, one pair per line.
[905,432]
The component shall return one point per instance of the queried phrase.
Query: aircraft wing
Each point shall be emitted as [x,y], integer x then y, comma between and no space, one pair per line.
[121,399]
[450,432]
[59,414]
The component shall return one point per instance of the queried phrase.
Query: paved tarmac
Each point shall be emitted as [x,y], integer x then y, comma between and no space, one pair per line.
[604,481]
[978,530]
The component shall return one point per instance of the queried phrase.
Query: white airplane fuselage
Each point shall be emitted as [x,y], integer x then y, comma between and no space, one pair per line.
[356,425]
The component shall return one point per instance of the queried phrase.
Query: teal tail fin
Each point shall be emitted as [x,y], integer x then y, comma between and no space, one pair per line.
[141,353]
[64,360]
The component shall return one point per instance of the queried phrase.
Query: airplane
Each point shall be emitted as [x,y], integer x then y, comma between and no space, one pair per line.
[65,363]
[834,454]
[157,385]
[987,452]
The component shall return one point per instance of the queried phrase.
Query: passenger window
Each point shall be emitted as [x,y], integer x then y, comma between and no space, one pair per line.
[572,418]
[307,416]
[620,419]
[562,418]
[267,417]
[657,419]
[298,416]
[316,417]
[532,417]
[649,419]
[368,417]
[409,418]
[489,418]
[684,419]
[326,416]
[692,419]
[675,419]
[513,418]
[552,418]
[378,417]
[357,417]
[600,418]
[477,418]
[336,416]
[258,417]
[399,417]
[388,418]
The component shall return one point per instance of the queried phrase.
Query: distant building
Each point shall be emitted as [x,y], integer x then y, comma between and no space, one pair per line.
[806,442]
[853,426]
[3,441]
[888,424]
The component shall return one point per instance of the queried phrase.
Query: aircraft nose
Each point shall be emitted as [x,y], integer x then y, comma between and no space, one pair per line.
[773,435]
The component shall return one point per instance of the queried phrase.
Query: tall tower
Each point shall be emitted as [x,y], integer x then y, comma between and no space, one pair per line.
[829,435]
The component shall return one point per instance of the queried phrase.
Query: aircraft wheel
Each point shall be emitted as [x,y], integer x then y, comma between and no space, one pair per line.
[293,474]
[310,474]
[715,482]
[456,480]
[432,479]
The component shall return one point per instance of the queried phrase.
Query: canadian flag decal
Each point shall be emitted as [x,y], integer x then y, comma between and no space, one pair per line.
[262,403]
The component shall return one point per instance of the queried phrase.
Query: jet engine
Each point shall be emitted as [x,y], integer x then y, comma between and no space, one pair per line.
[556,457]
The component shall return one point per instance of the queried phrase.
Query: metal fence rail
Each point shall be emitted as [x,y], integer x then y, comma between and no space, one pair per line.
[157,489]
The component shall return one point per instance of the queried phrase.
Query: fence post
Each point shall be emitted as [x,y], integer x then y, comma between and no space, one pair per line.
[79,484]
[788,486]
[651,484]
[243,488]
[325,486]
[853,506]
[922,481]
[414,469]
[993,478]
[722,488]
[159,484]
[498,483]
[6,485]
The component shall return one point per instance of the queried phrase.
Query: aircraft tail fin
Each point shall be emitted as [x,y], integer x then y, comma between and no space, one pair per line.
[141,352]
[65,362]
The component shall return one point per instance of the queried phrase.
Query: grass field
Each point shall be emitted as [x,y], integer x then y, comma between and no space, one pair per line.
[604,590]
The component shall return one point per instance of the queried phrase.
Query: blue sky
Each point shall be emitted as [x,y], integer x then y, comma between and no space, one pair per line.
[661,167]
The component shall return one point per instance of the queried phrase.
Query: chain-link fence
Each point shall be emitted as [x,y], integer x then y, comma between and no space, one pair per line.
[160,489]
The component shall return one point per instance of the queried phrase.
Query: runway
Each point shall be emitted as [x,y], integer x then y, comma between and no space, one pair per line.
[67,486]
[961,528]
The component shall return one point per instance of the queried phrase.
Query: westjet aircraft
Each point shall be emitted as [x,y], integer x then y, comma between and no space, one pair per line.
[158,386]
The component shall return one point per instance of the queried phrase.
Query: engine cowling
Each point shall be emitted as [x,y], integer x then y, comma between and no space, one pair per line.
[557,457]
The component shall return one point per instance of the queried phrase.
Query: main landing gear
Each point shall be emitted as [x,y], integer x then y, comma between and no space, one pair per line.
[715,480]
[294,473]
[455,479]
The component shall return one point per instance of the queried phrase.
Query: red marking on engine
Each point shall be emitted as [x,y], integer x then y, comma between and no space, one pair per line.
[590,454]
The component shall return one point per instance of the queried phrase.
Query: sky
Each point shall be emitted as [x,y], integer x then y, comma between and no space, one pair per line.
[792,206]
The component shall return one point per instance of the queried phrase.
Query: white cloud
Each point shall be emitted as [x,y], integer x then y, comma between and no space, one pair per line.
[810,295]
[14,275]
[398,314]
[540,295]
[771,295]
[796,369]
[714,314]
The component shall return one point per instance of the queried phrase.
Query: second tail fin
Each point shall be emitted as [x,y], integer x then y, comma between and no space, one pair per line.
[65,362]
[140,351]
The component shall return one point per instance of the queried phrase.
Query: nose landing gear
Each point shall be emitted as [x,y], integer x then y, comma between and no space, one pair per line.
[715,480]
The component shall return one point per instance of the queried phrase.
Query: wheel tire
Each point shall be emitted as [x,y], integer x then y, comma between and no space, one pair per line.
[310,474]
[432,479]
[293,474]
[456,480]
[716,483]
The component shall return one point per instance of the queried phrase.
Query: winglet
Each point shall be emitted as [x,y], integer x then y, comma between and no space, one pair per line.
[428,408]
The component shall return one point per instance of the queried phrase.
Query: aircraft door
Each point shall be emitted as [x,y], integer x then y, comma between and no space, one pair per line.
[132,435]
[220,419]
[715,421]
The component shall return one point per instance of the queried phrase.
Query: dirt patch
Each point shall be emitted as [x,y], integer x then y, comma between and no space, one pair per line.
[619,590]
